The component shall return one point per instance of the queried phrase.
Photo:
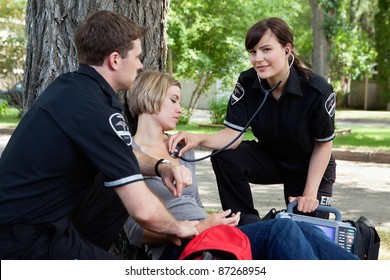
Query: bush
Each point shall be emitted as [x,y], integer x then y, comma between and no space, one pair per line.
[217,109]
[3,106]
[185,116]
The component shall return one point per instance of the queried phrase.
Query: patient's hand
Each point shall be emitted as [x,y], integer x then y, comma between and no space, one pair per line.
[220,218]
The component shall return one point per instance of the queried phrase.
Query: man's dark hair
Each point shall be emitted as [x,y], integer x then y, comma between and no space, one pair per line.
[104,32]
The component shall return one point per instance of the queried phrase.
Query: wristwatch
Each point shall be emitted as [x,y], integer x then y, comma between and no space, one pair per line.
[160,161]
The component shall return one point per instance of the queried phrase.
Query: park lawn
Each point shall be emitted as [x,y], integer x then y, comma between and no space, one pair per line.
[364,138]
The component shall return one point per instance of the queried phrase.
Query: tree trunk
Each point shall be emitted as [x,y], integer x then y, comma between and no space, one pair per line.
[321,44]
[50,26]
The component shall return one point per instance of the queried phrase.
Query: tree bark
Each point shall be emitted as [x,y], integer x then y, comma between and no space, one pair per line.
[50,26]
[321,44]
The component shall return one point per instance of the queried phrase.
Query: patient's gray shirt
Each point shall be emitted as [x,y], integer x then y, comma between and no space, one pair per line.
[186,207]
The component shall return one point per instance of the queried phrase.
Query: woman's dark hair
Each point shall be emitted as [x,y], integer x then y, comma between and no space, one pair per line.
[282,32]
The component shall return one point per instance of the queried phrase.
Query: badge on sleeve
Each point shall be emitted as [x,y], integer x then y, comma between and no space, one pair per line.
[237,94]
[120,127]
[330,104]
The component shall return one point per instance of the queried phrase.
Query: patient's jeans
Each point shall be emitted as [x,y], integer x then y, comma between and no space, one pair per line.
[285,239]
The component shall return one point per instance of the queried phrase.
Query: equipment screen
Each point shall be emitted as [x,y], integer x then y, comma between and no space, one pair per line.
[329,231]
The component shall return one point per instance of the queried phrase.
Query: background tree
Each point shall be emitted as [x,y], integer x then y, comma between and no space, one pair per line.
[382,39]
[206,38]
[321,36]
[352,54]
[50,27]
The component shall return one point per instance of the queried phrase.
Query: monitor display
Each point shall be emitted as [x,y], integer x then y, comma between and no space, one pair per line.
[329,231]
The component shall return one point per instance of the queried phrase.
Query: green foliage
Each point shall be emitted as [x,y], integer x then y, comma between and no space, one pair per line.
[3,106]
[12,8]
[217,108]
[12,41]
[14,49]
[185,116]
[350,30]
[206,37]
[10,116]
[382,39]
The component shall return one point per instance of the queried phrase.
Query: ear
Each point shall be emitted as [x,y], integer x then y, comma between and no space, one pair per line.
[288,49]
[113,60]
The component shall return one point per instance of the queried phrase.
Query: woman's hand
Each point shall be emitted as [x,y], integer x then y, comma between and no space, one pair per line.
[220,218]
[188,140]
[306,204]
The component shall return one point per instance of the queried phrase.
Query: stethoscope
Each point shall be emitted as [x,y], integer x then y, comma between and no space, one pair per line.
[266,94]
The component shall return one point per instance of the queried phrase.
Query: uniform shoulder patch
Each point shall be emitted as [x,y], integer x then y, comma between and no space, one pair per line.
[120,127]
[330,104]
[237,94]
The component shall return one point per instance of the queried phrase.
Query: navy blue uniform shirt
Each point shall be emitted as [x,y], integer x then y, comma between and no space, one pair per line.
[289,127]
[72,131]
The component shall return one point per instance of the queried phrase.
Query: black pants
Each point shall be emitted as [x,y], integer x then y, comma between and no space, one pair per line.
[86,234]
[235,169]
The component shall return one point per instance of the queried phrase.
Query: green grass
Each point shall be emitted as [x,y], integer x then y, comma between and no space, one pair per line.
[10,118]
[363,138]
[384,252]
[195,128]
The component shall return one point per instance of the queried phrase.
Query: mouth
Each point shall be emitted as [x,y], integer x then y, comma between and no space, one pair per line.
[262,67]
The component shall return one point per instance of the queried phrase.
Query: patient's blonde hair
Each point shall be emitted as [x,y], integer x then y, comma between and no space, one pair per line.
[148,92]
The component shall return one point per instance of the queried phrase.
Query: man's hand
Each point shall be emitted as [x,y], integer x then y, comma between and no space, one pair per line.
[175,177]
[186,230]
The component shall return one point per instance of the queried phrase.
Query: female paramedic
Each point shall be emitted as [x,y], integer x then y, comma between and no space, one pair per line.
[291,112]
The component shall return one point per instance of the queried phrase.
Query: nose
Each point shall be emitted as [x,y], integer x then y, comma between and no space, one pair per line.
[179,110]
[259,56]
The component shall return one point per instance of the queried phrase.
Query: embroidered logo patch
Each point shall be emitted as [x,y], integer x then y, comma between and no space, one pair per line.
[237,94]
[120,127]
[330,104]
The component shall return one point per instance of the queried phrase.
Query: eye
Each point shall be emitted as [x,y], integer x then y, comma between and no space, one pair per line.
[173,100]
